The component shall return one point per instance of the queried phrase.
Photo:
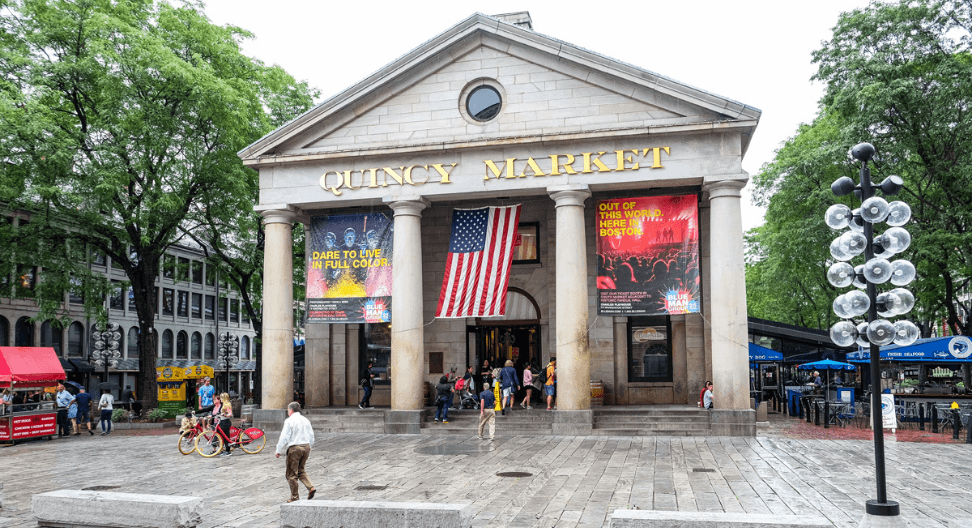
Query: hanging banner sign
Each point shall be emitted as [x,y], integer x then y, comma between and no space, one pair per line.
[349,276]
[648,255]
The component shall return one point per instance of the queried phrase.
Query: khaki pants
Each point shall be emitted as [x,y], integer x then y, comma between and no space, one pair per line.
[488,417]
[296,458]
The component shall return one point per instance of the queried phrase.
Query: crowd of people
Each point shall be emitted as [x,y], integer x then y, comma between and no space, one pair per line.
[664,268]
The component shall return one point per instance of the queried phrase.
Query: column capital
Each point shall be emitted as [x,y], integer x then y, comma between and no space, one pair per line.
[277,213]
[407,206]
[724,188]
[569,195]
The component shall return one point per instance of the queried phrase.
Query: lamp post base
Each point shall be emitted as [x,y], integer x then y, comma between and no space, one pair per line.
[882,515]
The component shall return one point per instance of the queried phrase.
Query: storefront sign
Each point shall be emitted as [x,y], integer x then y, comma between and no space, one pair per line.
[648,255]
[349,280]
[888,416]
[28,426]
[557,164]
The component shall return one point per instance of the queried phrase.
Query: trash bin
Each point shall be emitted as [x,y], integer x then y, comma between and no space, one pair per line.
[793,397]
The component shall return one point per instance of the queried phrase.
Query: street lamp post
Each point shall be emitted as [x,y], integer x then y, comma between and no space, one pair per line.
[876,331]
[106,345]
[228,352]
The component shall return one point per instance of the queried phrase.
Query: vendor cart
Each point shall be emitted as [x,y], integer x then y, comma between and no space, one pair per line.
[172,386]
[28,372]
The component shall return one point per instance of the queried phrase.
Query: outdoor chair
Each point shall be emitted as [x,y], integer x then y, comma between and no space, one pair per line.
[864,414]
[944,417]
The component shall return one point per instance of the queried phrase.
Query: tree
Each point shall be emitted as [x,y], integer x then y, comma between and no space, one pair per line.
[118,118]
[900,77]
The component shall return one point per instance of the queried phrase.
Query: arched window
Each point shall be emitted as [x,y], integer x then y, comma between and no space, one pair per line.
[195,346]
[4,332]
[210,347]
[24,332]
[166,352]
[245,348]
[182,346]
[76,340]
[133,342]
[51,337]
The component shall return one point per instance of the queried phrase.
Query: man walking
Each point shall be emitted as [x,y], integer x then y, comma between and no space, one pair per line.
[83,400]
[486,413]
[509,383]
[64,400]
[367,383]
[295,441]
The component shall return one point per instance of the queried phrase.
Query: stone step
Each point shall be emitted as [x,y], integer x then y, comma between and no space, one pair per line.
[656,426]
[648,432]
[649,412]
[651,419]
[344,418]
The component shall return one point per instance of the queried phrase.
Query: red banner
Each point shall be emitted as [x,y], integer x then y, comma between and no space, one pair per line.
[28,426]
[648,255]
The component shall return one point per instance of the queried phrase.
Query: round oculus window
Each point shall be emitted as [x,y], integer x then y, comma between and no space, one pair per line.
[483,103]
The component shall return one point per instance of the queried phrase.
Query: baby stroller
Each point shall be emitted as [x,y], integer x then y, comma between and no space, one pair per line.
[468,400]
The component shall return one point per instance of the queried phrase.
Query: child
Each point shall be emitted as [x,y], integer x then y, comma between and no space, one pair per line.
[188,422]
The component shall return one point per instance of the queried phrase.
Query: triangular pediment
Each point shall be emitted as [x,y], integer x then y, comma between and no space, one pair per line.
[548,88]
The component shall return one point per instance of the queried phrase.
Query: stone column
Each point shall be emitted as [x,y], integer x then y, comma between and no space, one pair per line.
[278,310]
[408,332]
[730,326]
[573,355]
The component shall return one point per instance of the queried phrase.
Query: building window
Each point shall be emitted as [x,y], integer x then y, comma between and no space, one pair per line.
[483,103]
[26,280]
[183,305]
[168,266]
[131,300]
[234,310]
[244,348]
[182,346]
[168,301]
[4,331]
[210,306]
[76,340]
[98,258]
[197,272]
[210,347]
[649,348]
[245,316]
[51,337]
[75,293]
[195,346]
[182,270]
[210,275]
[24,332]
[166,352]
[525,246]
[133,342]
[115,296]
[115,264]
[222,309]
[376,346]
[197,306]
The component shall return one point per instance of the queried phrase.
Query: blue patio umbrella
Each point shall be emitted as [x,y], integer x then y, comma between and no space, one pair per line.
[827,364]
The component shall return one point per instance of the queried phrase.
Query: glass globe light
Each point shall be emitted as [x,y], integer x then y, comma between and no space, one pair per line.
[896,239]
[838,216]
[841,275]
[838,253]
[874,209]
[907,300]
[856,223]
[856,302]
[898,214]
[859,277]
[862,335]
[840,308]
[881,332]
[881,252]
[888,304]
[843,333]
[877,271]
[902,272]
[852,242]
[905,333]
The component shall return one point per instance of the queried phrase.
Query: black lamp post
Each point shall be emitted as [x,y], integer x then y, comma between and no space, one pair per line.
[106,345]
[875,331]
[228,352]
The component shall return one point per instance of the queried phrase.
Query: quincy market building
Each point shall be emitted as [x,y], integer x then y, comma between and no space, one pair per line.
[628,263]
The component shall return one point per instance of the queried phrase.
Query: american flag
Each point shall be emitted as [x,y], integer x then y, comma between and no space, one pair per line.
[478,267]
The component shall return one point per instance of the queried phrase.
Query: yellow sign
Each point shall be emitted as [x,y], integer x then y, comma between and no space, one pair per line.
[180,373]
[172,391]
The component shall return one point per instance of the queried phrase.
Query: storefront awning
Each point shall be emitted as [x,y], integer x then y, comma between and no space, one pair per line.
[29,365]
[954,349]
[758,353]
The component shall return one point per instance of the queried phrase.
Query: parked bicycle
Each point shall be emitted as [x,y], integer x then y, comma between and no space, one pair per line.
[187,440]
[211,441]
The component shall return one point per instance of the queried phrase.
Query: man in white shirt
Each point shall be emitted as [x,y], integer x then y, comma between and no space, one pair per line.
[295,441]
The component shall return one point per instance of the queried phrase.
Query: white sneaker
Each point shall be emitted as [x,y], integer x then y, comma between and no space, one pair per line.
[523,405]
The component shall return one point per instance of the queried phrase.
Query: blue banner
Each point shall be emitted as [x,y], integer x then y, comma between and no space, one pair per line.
[953,349]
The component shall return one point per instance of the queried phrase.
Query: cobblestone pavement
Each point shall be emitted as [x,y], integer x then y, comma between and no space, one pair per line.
[575,481]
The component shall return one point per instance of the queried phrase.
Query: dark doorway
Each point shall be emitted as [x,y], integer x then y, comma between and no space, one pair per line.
[498,343]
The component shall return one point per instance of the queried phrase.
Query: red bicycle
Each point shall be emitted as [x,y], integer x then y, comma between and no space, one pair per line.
[187,440]
[211,442]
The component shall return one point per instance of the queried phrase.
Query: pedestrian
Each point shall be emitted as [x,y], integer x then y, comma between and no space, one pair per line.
[486,373]
[707,396]
[225,418]
[487,416]
[188,422]
[509,383]
[528,386]
[205,393]
[296,440]
[443,397]
[367,383]
[83,400]
[548,386]
[107,406]
[6,402]
[64,400]
[126,398]
[136,405]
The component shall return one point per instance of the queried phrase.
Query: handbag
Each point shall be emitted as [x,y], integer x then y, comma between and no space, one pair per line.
[364,382]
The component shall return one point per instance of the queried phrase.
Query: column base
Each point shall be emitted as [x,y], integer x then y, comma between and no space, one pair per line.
[723,422]
[572,423]
[882,515]
[403,422]
[270,420]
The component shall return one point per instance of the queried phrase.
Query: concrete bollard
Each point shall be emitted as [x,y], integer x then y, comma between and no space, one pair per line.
[934,419]
[956,424]
[77,508]
[357,514]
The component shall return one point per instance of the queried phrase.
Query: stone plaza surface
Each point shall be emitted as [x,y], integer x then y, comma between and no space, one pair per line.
[575,481]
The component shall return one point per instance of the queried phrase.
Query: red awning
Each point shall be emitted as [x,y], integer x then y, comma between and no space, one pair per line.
[29,365]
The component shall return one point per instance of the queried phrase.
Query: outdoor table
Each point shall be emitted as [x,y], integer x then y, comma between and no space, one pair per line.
[837,410]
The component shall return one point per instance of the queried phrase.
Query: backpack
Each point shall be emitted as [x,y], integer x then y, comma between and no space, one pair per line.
[460,383]
[543,376]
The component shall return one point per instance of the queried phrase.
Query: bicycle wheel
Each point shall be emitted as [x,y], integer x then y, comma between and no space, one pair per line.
[209,444]
[251,446]
[187,442]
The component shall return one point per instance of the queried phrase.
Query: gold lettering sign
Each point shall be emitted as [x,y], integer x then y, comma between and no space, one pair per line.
[338,181]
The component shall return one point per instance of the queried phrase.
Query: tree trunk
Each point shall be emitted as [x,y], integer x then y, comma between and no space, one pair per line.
[145,307]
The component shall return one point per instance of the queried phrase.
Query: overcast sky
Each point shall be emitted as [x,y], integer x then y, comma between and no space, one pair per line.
[755,52]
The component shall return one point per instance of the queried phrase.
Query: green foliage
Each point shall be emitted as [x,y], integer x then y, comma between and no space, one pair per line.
[117,414]
[899,76]
[159,414]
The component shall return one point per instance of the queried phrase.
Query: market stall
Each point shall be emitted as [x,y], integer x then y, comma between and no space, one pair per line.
[173,385]
[29,372]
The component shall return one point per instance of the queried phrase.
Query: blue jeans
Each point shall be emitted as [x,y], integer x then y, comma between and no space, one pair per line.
[366,401]
[442,407]
[106,419]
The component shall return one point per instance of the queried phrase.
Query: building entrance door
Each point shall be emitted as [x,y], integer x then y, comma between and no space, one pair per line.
[498,343]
